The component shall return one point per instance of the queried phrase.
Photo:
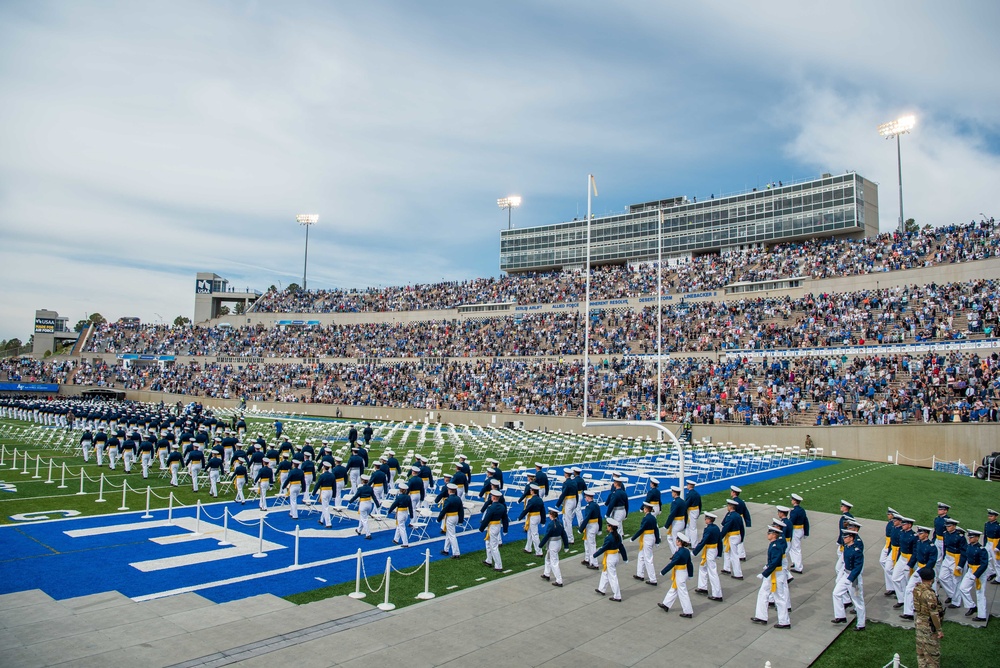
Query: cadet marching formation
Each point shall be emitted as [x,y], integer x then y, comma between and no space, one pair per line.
[916,560]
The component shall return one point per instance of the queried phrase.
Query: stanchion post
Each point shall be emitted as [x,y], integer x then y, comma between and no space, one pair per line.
[295,563]
[3,452]
[225,528]
[148,515]
[170,509]
[386,605]
[426,593]
[38,464]
[357,593]
[25,471]
[896,460]
[100,495]
[197,518]
[13,460]
[124,490]
[81,483]
[49,481]
[62,482]
[260,543]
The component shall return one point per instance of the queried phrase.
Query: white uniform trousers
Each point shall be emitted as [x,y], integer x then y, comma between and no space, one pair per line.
[99,453]
[853,590]
[993,565]
[973,593]
[679,590]
[227,457]
[795,548]
[402,534]
[609,575]
[579,510]
[741,550]
[263,486]
[900,575]
[294,490]
[325,494]
[338,490]
[911,584]
[531,527]
[86,447]
[162,454]
[552,559]
[254,470]
[590,543]
[692,525]
[306,487]
[493,545]
[569,510]
[146,459]
[213,479]
[676,529]
[947,578]
[776,584]
[939,544]
[194,469]
[620,514]
[839,569]
[364,512]
[175,469]
[708,572]
[888,563]
[354,474]
[730,554]
[112,458]
[128,457]
[645,560]
[239,481]
[450,539]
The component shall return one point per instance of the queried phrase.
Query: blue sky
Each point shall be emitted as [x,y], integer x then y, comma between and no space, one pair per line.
[143,142]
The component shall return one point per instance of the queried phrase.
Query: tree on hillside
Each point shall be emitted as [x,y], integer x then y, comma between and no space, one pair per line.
[80,326]
[910,226]
[181,321]
[97,318]
[12,344]
[240,308]
[293,287]
[223,310]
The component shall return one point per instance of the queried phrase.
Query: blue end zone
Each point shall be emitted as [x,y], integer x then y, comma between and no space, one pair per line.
[74,557]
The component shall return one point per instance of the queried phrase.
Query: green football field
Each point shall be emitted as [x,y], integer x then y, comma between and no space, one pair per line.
[43,454]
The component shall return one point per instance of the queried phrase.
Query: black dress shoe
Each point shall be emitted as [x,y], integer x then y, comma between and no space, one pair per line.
[971,612]
[703,592]
[839,620]
[638,577]
[887,594]
[615,600]
[727,572]
[737,577]
[758,621]
[652,584]
[947,600]
[954,607]
[600,592]
[557,584]
[859,628]
[771,605]
[663,606]
[784,626]
[907,617]
[715,598]
[545,577]
[686,615]
[743,558]
[979,619]
[897,606]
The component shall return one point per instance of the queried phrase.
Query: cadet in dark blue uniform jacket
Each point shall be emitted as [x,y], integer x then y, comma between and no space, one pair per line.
[648,535]
[680,569]
[773,581]
[850,582]
[744,512]
[494,520]
[800,530]
[612,550]
[451,515]
[972,589]
[555,538]
[733,532]
[402,510]
[590,526]
[542,480]
[676,518]
[533,514]
[710,548]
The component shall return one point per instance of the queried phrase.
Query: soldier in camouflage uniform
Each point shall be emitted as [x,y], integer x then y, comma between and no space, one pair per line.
[928,621]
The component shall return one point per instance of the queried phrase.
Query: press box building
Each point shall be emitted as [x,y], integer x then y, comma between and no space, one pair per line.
[842,205]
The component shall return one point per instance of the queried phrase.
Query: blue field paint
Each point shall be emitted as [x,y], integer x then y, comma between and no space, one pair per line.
[55,557]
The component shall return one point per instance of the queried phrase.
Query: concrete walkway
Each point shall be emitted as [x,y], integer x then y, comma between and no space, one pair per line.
[516,621]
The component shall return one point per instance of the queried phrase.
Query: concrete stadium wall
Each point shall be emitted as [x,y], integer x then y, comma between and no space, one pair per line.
[916,444]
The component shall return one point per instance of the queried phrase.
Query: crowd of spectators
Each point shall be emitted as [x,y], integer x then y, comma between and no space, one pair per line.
[947,312]
[29,370]
[821,258]
[831,390]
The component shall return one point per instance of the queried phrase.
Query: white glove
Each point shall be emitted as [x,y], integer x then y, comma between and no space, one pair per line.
[760,576]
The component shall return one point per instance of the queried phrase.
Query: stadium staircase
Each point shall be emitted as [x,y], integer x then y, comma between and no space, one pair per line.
[181,630]
[81,341]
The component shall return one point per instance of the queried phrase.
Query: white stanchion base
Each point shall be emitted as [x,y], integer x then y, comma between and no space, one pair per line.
[147,516]
[259,555]
[425,595]
[386,606]
[224,543]
[123,508]
[357,594]
[99,500]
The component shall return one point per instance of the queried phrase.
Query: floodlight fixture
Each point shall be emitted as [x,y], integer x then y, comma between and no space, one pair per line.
[900,126]
[509,203]
[306,219]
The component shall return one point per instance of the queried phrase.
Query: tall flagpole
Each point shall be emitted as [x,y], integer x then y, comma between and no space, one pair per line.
[586,314]
[659,315]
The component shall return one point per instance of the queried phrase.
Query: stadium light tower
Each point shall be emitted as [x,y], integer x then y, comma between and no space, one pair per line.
[900,126]
[509,203]
[306,219]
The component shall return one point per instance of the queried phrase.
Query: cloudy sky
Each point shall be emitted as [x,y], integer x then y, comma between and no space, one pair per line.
[141,142]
